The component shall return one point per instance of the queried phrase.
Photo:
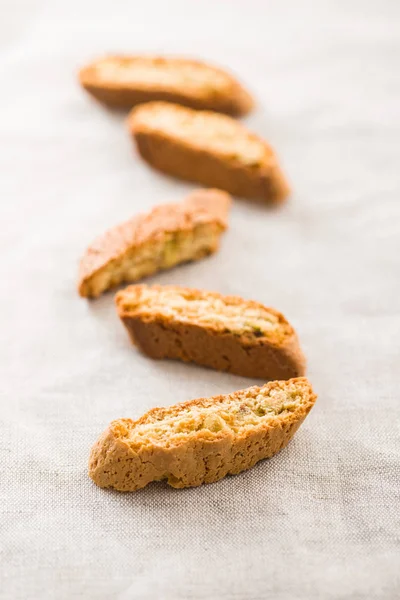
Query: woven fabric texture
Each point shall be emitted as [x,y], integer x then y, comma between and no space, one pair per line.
[321,520]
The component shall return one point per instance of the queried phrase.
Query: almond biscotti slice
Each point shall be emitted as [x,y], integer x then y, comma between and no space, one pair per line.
[124,81]
[203,440]
[168,235]
[222,332]
[208,148]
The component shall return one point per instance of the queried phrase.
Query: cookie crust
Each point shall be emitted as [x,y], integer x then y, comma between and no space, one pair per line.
[125,81]
[202,440]
[255,341]
[207,148]
[166,236]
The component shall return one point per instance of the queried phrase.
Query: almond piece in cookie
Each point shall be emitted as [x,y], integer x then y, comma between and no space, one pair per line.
[124,81]
[168,235]
[225,333]
[201,441]
[208,148]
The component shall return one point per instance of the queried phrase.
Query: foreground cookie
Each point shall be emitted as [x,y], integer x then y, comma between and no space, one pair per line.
[208,148]
[222,332]
[124,81]
[201,441]
[170,234]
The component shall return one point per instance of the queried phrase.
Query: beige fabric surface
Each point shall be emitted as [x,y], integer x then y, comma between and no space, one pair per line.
[322,519]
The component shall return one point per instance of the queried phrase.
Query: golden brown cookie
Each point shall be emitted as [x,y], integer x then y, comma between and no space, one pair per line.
[208,148]
[168,235]
[203,440]
[124,81]
[222,332]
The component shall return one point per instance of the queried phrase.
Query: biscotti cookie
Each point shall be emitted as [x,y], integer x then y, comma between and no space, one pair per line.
[208,148]
[201,441]
[222,332]
[170,234]
[124,81]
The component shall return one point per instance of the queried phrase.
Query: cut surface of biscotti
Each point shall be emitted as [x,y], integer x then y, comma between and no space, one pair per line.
[168,235]
[203,440]
[124,81]
[226,333]
[208,148]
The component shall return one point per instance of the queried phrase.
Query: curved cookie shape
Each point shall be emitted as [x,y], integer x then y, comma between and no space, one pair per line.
[201,441]
[208,148]
[225,333]
[124,81]
[168,235]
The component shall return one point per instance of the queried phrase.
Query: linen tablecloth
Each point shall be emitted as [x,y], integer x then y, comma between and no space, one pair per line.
[321,520]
